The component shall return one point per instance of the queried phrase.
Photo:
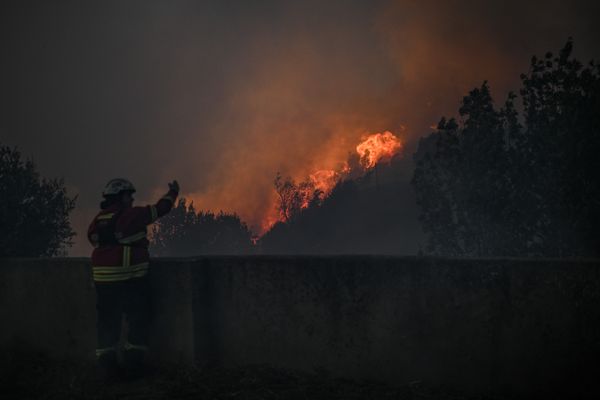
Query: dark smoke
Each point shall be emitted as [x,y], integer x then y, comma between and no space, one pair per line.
[222,95]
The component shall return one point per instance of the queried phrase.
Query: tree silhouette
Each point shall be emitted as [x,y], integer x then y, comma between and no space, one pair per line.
[461,180]
[185,232]
[294,197]
[357,217]
[34,211]
[491,186]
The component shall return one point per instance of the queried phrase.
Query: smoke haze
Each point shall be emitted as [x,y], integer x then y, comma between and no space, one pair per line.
[223,95]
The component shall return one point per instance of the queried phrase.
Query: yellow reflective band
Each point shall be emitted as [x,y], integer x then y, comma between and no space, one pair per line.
[133,238]
[119,273]
[172,200]
[120,278]
[154,214]
[126,256]
[100,352]
[120,270]
[105,216]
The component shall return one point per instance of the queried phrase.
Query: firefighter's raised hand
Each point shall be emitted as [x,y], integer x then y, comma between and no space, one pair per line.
[174,186]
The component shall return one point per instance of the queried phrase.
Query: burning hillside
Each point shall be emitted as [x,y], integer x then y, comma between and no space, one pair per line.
[312,178]
[294,197]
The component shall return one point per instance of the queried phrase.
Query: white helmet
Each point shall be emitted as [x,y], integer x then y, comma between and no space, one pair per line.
[118,185]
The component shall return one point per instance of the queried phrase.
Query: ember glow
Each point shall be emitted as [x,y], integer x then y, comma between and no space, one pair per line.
[378,147]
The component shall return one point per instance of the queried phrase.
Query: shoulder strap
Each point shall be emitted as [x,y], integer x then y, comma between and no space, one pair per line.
[107,224]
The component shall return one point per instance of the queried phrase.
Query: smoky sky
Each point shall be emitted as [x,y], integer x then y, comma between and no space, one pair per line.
[222,95]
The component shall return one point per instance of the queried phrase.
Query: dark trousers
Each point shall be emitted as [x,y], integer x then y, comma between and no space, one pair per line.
[113,299]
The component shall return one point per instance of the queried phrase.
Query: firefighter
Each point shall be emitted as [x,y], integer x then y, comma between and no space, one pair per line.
[120,270]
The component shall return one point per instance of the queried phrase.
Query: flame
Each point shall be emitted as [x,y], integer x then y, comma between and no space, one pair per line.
[324,180]
[374,148]
[378,147]
[306,194]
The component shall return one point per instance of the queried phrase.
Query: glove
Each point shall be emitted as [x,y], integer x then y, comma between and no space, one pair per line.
[174,186]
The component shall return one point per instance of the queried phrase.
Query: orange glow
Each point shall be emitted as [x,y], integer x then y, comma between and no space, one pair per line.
[307,193]
[324,180]
[268,222]
[378,147]
[330,163]
[374,148]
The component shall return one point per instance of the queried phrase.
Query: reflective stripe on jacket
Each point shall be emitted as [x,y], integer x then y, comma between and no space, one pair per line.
[126,256]
[126,268]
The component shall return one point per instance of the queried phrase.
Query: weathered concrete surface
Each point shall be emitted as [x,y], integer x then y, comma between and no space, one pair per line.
[511,327]
[172,336]
[49,306]
[516,327]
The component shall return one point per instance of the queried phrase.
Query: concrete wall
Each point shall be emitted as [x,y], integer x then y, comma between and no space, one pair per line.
[49,306]
[490,326]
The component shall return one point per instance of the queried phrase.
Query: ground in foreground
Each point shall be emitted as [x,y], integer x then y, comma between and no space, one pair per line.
[44,380]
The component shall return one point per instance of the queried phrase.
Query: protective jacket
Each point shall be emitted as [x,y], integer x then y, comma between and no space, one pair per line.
[118,235]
